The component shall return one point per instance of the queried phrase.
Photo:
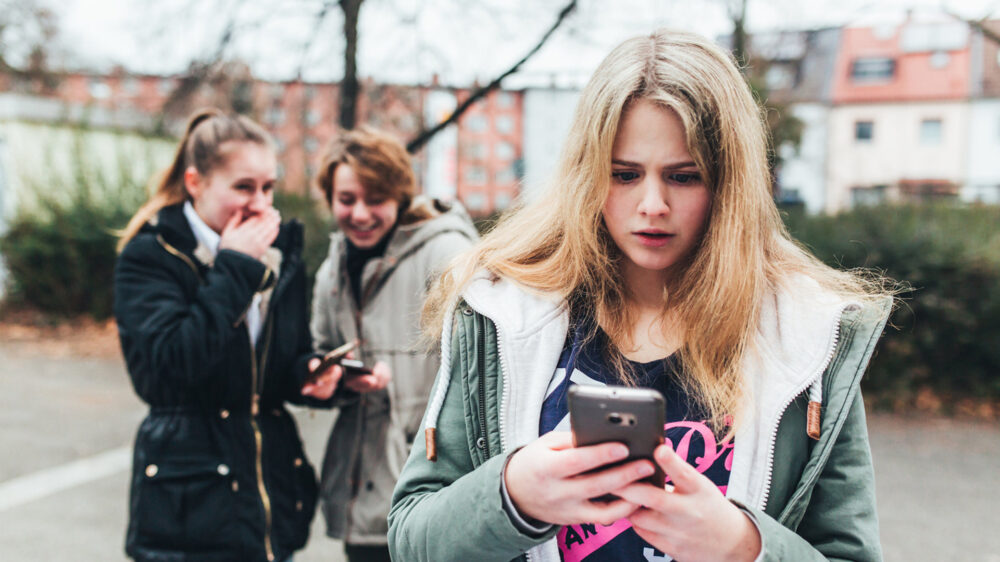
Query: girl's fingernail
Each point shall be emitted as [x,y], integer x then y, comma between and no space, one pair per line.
[619,452]
[645,470]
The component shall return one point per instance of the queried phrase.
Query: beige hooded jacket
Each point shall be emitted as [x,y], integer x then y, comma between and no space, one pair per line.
[373,432]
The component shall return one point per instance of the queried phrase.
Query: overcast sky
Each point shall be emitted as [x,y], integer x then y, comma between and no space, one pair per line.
[409,40]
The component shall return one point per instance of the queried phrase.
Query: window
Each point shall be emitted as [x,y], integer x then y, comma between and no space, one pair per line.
[165,86]
[275,116]
[867,196]
[310,144]
[873,69]
[504,150]
[505,176]
[131,86]
[99,89]
[505,124]
[501,200]
[475,175]
[864,131]
[475,201]
[505,100]
[779,77]
[930,131]
[940,59]
[789,195]
[312,118]
[476,123]
[475,150]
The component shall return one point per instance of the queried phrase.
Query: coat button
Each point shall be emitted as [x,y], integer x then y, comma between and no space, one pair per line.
[223,414]
[276,413]
[151,470]
[481,443]
[223,469]
[369,485]
[298,462]
[467,311]
[298,506]
[236,486]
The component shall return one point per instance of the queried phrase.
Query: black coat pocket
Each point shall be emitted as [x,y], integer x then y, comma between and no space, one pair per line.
[185,505]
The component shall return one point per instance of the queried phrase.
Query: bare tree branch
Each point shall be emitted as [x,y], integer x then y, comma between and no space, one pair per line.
[199,72]
[977,24]
[422,138]
[307,46]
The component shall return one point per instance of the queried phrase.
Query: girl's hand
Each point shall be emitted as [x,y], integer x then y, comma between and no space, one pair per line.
[377,380]
[546,480]
[694,521]
[252,236]
[322,385]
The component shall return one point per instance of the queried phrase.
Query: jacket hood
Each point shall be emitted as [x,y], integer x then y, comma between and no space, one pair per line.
[406,238]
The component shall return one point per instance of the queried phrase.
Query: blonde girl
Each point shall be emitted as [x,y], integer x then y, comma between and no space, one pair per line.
[210,300]
[656,258]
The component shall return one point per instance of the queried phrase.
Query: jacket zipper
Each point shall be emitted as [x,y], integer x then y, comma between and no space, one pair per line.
[265,499]
[483,434]
[256,384]
[366,293]
[773,437]
[179,254]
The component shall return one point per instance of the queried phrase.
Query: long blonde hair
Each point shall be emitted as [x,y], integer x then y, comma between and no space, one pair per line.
[202,147]
[558,244]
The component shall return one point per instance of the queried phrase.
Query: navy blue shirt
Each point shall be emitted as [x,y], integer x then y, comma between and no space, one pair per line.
[685,430]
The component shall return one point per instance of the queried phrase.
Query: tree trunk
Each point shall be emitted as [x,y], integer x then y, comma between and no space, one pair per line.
[738,13]
[349,87]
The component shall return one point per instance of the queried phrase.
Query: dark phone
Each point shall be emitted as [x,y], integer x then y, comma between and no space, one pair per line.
[353,368]
[333,358]
[633,416]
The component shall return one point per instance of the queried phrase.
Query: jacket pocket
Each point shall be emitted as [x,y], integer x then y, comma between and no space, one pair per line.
[186,504]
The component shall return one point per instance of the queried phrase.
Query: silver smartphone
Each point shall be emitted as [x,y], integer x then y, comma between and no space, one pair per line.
[632,416]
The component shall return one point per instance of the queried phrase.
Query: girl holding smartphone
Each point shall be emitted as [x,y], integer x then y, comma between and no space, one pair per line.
[655,258]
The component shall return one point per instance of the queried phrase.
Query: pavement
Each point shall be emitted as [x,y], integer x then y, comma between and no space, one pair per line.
[67,423]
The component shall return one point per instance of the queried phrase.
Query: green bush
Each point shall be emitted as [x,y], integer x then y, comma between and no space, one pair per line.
[59,251]
[946,332]
[318,223]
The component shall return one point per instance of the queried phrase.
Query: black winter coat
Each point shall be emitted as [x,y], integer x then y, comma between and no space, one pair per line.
[219,471]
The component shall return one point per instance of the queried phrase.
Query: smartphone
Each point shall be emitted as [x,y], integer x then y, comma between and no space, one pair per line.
[334,357]
[633,416]
[353,368]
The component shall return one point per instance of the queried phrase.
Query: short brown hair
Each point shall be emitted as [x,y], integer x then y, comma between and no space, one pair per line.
[380,161]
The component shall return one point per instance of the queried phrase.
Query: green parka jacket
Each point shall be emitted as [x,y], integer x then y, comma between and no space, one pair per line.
[811,499]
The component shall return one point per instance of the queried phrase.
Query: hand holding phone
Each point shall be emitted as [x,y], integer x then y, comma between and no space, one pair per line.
[354,368]
[334,357]
[631,416]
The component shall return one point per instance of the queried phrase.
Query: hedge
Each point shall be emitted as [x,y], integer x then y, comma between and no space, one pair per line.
[945,335]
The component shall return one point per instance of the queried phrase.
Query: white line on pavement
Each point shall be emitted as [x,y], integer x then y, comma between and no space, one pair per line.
[37,485]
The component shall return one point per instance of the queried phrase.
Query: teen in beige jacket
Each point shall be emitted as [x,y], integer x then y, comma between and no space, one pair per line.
[371,289]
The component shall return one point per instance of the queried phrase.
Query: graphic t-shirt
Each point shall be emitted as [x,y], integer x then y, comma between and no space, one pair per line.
[685,431]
